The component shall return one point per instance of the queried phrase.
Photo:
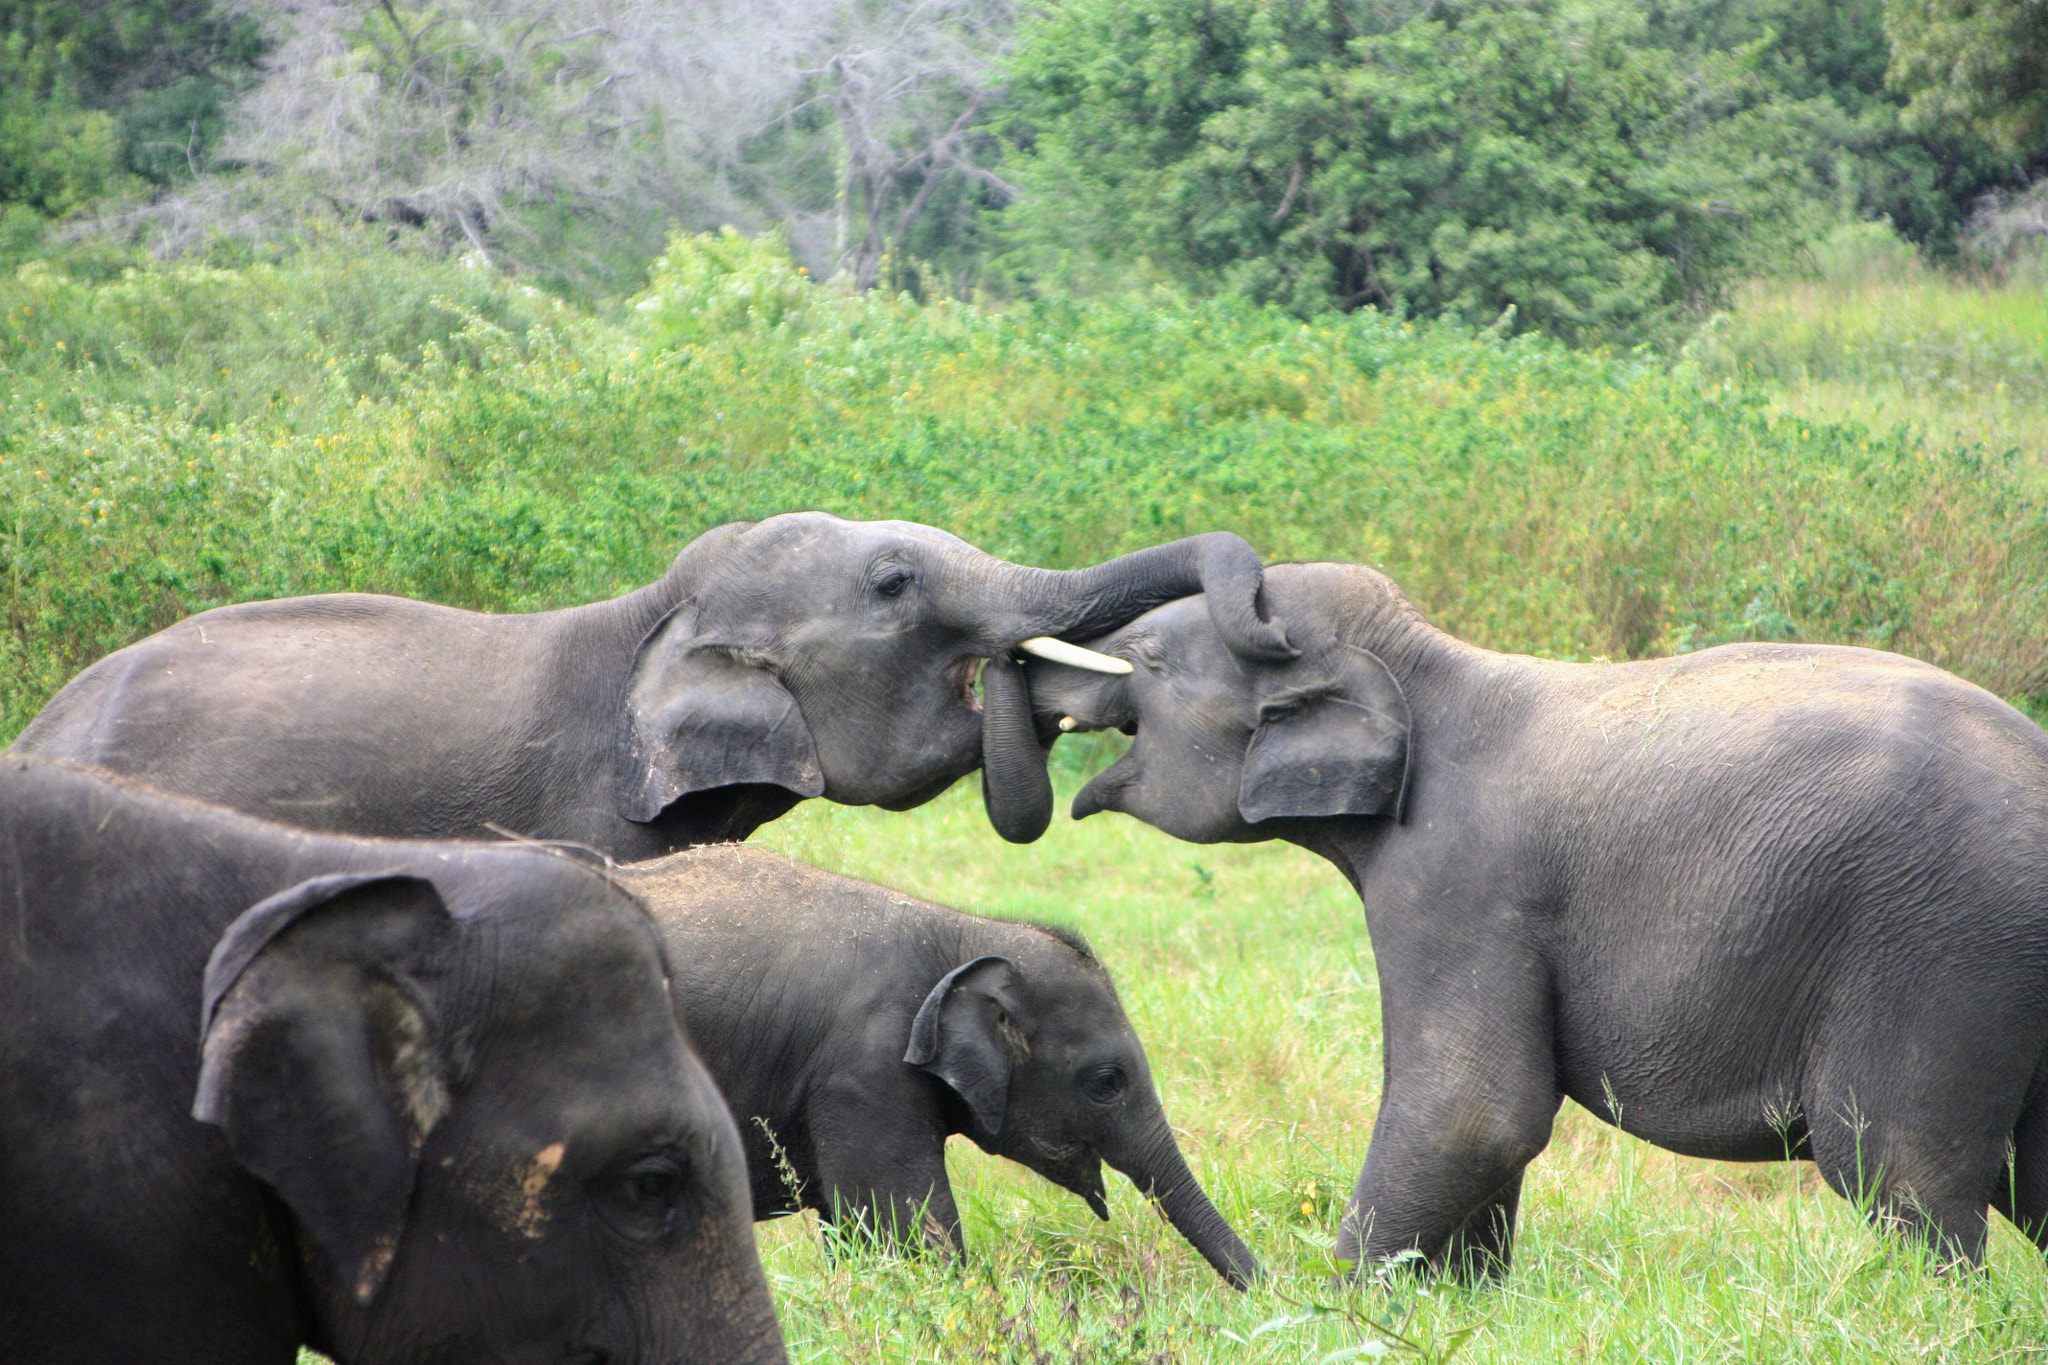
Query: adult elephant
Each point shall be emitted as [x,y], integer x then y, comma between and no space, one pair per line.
[396,1101]
[1762,901]
[799,656]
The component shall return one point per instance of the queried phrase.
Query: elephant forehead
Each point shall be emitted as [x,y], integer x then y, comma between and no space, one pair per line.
[820,533]
[1179,636]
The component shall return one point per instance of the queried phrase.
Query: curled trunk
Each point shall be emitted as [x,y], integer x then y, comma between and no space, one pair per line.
[1082,603]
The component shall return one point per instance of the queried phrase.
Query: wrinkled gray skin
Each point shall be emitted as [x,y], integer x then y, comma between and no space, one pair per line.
[853,1028]
[794,657]
[1759,901]
[399,1102]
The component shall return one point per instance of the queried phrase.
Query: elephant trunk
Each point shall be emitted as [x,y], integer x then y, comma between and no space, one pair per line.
[1158,1169]
[1083,603]
[1015,788]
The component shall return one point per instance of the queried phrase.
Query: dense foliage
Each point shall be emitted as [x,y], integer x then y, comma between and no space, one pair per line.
[176,437]
[95,93]
[1976,64]
[1606,171]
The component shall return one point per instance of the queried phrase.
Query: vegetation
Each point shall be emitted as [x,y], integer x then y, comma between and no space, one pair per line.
[1603,170]
[1874,335]
[96,97]
[1977,65]
[177,437]
[1550,159]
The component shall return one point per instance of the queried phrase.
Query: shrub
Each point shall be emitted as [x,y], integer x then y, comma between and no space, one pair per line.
[459,440]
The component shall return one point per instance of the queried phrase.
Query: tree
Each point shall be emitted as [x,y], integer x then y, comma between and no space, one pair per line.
[162,72]
[858,126]
[1825,63]
[1465,157]
[570,141]
[1979,65]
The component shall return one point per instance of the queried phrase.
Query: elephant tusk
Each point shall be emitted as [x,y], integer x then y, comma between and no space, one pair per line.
[1068,724]
[1060,652]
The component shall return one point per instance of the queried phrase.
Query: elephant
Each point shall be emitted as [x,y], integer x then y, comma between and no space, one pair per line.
[437,1106]
[1763,901]
[853,1028]
[799,656]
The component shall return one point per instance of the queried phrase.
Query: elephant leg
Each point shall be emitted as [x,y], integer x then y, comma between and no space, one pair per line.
[1471,1092]
[1926,1143]
[882,1175]
[2022,1193]
[1484,1247]
[1928,1182]
[1451,1197]
[893,1220]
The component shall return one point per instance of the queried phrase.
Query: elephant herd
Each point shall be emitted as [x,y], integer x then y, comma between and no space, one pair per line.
[503,1042]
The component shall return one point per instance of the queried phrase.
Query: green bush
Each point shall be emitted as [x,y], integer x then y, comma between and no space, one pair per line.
[705,286]
[176,437]
[1459,159]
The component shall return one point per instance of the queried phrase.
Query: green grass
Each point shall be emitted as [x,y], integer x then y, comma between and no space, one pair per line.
[176,437]
[1876,337]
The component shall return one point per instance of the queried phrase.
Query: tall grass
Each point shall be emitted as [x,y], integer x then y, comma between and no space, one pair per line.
[1871,334]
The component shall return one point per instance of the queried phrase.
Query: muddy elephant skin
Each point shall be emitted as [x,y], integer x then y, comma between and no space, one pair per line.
[396,1101]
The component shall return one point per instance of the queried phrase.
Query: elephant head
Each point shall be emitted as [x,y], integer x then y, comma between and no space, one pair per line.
[1053,1076]
[1226,746]
[479,1164]
[833,658]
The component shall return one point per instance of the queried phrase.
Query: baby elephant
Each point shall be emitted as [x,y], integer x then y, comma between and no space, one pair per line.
[852,1029]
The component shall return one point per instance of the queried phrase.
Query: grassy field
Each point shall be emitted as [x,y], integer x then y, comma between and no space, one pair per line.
[1874,336]
[176,437]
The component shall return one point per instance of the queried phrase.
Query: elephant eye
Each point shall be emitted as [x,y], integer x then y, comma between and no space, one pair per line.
[1105,1084]
[893,582]
[643,1199]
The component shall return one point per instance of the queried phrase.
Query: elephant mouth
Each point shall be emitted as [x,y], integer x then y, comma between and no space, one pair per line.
[962,675]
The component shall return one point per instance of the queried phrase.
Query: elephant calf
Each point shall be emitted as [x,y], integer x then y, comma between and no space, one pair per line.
[852,1029]
[1761,901]
[443,1108]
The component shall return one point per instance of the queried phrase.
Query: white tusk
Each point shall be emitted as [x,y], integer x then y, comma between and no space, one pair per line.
[1068,725]
[1060,652]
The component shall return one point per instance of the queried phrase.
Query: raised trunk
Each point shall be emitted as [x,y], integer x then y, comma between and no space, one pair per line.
[1015,789]
[1079,604]
[1160,1171]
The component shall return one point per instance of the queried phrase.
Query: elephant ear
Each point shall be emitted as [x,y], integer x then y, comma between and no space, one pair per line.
[964,1035]
[697,716]
[319,1059]
[1335,748]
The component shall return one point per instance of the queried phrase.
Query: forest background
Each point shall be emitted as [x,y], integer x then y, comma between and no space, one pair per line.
[1609,329]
